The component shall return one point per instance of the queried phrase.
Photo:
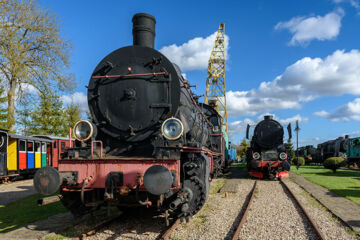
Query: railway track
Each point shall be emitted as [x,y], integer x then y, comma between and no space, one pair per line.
[164,234]
[249,202]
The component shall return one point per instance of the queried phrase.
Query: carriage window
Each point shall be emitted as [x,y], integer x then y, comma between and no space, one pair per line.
[37,147]
[43,147]
[54,144]
[62,146]
[30,146]
[22,146]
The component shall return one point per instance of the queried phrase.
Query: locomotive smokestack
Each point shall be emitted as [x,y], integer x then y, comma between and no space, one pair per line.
[143,30]
[268,117]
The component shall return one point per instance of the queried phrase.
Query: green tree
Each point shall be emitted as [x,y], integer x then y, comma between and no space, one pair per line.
[243,148]
[334,163]
[3,109]
[72,115]
[290,148]
[32,51]
[49,116]
[24,113]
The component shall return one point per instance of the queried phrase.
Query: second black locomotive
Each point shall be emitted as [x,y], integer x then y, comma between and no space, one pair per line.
[267,156]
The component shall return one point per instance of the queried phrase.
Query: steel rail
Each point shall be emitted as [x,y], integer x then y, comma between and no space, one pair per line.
[313,224]
[166,234]
[243,217]
[98,227]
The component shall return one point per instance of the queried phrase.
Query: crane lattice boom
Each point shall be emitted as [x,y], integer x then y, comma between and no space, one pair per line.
[215,92]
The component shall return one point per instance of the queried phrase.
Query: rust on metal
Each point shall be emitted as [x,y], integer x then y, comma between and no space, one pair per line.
[313,224]
[243,218]
[166,234]
[98,227]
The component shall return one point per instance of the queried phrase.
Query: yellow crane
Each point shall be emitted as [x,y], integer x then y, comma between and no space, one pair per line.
[215,93]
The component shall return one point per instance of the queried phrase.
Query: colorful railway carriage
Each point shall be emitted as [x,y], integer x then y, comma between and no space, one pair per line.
[22,155]
[56,148]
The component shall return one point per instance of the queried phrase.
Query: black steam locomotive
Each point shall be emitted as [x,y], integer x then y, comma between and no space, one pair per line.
[333,148]
[267,156]
[150,143]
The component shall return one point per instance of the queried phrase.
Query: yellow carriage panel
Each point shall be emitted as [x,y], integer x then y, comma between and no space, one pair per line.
[37,160]
[12,155]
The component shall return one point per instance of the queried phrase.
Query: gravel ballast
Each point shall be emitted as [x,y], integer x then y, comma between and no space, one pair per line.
[328,225]
[216,219]
[273,215]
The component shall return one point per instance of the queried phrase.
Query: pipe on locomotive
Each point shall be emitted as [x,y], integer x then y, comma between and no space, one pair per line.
[143,30]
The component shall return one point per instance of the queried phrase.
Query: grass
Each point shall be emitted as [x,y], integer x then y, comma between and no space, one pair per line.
[26,210]
[219,184]
[241,165]
[344,182]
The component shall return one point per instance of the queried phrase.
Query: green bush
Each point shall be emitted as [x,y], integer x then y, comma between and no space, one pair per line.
[301,161]
[334,163]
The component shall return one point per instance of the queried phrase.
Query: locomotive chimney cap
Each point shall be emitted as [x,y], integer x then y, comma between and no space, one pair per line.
[143,30]
[143,15]
[268,117]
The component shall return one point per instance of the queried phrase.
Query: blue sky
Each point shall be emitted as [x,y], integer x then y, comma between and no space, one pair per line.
[294,59]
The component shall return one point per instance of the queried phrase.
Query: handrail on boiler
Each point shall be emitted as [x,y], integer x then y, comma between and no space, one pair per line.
[92,147]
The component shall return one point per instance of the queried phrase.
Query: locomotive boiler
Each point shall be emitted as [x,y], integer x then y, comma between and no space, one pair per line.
[333,148]
[267,156]
[149,142]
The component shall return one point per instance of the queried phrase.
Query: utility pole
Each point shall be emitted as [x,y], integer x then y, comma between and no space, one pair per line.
[297,129]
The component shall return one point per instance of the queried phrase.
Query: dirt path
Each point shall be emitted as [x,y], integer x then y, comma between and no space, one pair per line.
[10,192]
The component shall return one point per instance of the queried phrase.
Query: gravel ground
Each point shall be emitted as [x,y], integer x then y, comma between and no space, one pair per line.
[10,192]
[215,220]
[273,215]
[272,210]
[140,224]
[329,226]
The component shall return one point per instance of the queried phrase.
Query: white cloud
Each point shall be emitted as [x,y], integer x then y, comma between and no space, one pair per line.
[78,98]
[285,121]
[309,141]
[249,103]
[345,113]
[193,54]
[303,81]
[354,3]
[353,134]
[239,127]
[306,29]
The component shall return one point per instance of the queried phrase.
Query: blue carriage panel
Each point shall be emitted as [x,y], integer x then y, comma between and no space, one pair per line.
[30,155]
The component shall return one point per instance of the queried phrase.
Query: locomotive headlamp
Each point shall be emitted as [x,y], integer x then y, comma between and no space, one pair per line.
[172,128]
[283,156]
[256,155]
[83,130]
